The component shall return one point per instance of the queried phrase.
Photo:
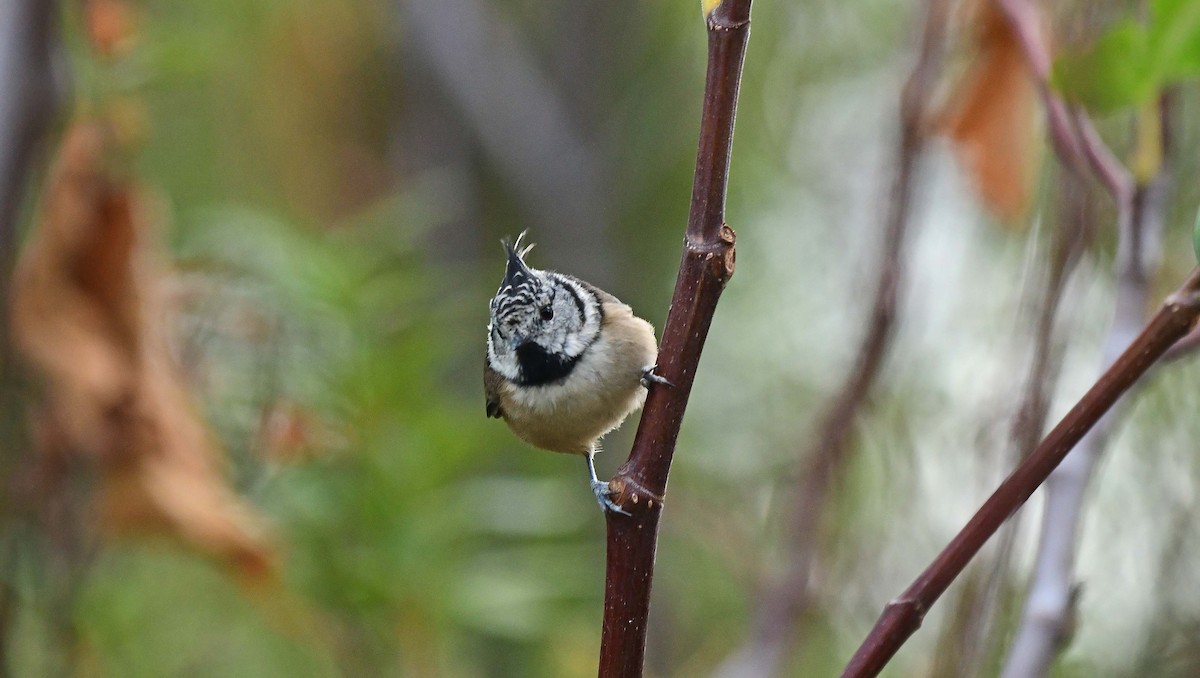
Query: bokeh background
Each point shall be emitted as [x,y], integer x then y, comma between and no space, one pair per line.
[331,179]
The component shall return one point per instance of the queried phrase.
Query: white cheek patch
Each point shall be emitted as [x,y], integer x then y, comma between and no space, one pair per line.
[502,360]
[577,342]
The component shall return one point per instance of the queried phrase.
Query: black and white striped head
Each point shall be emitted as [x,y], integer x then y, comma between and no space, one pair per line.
[541,322]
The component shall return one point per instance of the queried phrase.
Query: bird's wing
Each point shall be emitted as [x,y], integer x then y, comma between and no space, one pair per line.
[605,298]
[491,389]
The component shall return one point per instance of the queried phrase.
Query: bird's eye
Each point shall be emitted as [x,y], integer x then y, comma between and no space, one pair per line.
[547,313]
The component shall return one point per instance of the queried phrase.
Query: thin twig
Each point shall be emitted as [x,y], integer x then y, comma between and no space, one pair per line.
[781,605]
[707,263]
[1186,347]
[1110,171]
[1075,139]
[903,616]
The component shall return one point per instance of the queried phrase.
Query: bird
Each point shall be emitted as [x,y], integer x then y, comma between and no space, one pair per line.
[566,362]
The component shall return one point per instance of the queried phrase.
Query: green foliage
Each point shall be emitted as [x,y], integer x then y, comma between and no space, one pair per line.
[1131,62]
[186,618]
[399,543]
[337,265]
[1196,236]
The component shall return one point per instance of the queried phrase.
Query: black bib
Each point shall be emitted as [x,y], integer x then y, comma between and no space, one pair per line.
[539,367]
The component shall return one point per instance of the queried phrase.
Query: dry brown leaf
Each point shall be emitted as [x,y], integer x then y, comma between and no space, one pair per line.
[111,26]
[74,307]
[991,117]
[88,317]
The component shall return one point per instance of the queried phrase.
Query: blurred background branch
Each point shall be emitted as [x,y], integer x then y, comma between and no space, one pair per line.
[28,110]
[1051,597]
[1072,136]
[522,123]
[784,601]
[324,183]
[970,636]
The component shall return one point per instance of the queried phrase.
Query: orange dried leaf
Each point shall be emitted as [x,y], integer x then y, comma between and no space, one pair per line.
[75,312]
[111,26]
[991,118]
[88,317]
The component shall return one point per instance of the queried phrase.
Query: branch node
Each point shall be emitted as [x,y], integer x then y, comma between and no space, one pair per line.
[720,255]
[726,18]
[626,488]
[909,607]
[1182,300]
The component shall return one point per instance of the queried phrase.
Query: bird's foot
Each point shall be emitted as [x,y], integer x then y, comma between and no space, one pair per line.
[649,377]
[604,498]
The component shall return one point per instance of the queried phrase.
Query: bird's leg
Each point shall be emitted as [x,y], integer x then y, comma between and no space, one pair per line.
[600,488]
[649,377]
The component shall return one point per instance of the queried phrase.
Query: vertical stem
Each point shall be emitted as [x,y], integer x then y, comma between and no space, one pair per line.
[28,101]
[27,106]
[707,263]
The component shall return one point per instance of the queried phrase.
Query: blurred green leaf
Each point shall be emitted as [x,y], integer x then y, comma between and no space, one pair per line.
[1131,62]
[185,618]
[1113,73]
[1175,39]
[1196,236]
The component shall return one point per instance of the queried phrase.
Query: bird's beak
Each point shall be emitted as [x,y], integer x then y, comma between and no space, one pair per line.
[518,342]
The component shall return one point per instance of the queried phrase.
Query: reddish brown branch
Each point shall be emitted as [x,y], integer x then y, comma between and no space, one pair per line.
[903,616]
[707,263]
[1050,600]
[1185,348]
[969,632]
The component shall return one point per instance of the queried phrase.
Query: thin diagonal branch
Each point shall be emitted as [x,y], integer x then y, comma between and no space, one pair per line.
[1043,629]
[1110,171]
[903,616]
[971,628]
[1185,348]
[781,605]
[707,263]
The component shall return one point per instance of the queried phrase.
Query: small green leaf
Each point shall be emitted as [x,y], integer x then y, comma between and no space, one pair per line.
[1174,37]
[1196,236]
[1130,63]
[1109,75]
